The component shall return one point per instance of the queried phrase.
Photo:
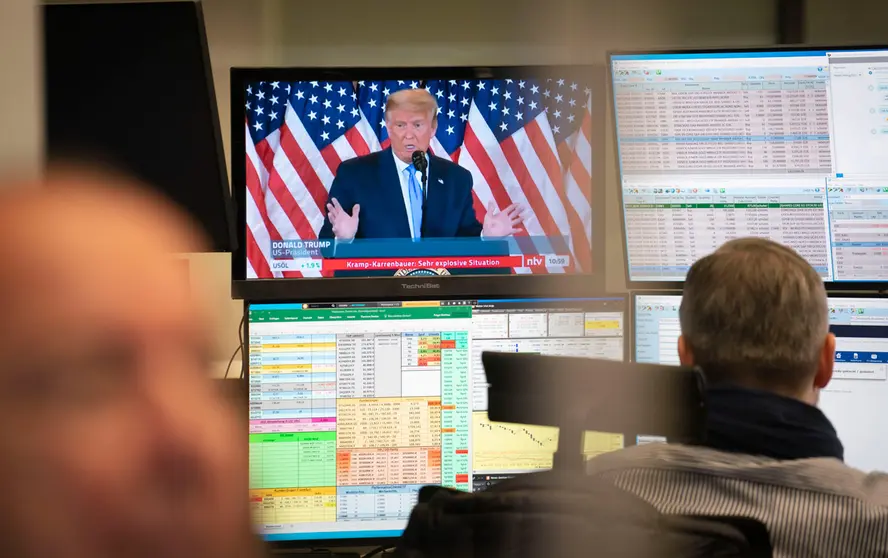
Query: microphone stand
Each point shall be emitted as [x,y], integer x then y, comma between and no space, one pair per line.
[421,164]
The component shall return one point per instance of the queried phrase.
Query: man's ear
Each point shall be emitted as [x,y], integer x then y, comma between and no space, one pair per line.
[685,354]
[826,362]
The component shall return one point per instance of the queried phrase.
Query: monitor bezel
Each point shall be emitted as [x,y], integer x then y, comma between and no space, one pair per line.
[245,379]
[631,284]
[415,287]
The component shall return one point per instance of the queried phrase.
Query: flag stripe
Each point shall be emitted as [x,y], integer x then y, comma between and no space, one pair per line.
[254,256]
[496,171]
[256,194]
[266,151]
[543,149]
[357,141]
[332,159]
[513,156]
[366,132]
[293,150]
[290,206]
[579,223]
[539,153]
[258,219]
[257,214]
[495,174]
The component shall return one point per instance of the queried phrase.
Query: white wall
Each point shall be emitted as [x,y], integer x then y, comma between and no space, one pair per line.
[847,22]
[520,32]
[21,123]
[239,33]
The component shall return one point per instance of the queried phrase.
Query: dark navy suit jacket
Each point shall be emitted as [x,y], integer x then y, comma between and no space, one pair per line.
[372,182]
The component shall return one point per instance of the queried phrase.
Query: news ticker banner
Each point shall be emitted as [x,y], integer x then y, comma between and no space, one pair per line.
[441,264]
[435,254]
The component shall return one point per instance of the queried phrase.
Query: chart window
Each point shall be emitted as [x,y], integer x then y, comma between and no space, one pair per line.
[670,224]
[859,91]
[355,406]
[854,400]
[591,328]
[858,214]
[657,329]
[715,146]
[687,114]
[352,410]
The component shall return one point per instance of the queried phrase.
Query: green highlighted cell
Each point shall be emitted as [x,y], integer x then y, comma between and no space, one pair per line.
[292,460]
[293,437]
[356,314]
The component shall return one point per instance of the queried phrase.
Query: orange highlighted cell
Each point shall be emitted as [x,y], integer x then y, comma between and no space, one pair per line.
[372,466]
[388,422]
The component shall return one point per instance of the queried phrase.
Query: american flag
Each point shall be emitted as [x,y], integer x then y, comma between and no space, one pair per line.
[524,141]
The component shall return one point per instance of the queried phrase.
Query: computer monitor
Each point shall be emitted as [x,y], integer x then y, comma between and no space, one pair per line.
[150,108]
[786,144]
[855,398]
[504,141]
[356,405]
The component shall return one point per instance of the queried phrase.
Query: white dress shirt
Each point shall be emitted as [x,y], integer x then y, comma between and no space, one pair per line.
[405,186]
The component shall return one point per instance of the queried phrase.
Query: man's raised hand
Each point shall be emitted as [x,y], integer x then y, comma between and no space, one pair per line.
[345,226]
[498,224]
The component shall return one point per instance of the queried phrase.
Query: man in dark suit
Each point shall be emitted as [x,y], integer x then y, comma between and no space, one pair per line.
[381,195]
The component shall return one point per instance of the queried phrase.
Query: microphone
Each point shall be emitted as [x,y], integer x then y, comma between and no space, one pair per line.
[420,163]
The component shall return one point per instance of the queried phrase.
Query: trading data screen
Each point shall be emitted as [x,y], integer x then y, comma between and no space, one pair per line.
[853,400]
[507,190]
[355,406]
[787,145]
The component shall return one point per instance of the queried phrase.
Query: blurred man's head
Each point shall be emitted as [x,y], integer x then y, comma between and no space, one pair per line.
[113,441]
[754,314]
[411,117]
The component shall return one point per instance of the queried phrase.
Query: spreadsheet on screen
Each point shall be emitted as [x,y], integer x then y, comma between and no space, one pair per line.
[854,400]
[355,406]
[788,145]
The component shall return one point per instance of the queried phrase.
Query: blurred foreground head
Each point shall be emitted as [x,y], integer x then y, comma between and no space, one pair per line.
[113,442]
[754,314]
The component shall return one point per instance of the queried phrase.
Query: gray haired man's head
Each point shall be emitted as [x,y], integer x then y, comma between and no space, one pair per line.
[754,313]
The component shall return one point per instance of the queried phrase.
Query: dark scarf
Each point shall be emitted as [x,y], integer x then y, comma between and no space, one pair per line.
[766,424]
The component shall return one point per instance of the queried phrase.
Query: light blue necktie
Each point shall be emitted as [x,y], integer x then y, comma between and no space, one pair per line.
[415,200]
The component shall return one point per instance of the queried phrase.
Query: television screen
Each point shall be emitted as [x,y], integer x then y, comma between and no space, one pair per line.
[853,400]
[414,172]
[783,144]
[354,406]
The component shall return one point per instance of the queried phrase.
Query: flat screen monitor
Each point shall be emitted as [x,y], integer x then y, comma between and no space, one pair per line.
[784,144]
[129,85]
[501,142]
[854,400]
[356,405]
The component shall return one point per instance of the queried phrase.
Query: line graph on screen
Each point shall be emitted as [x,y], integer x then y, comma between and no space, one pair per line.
[502,446]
